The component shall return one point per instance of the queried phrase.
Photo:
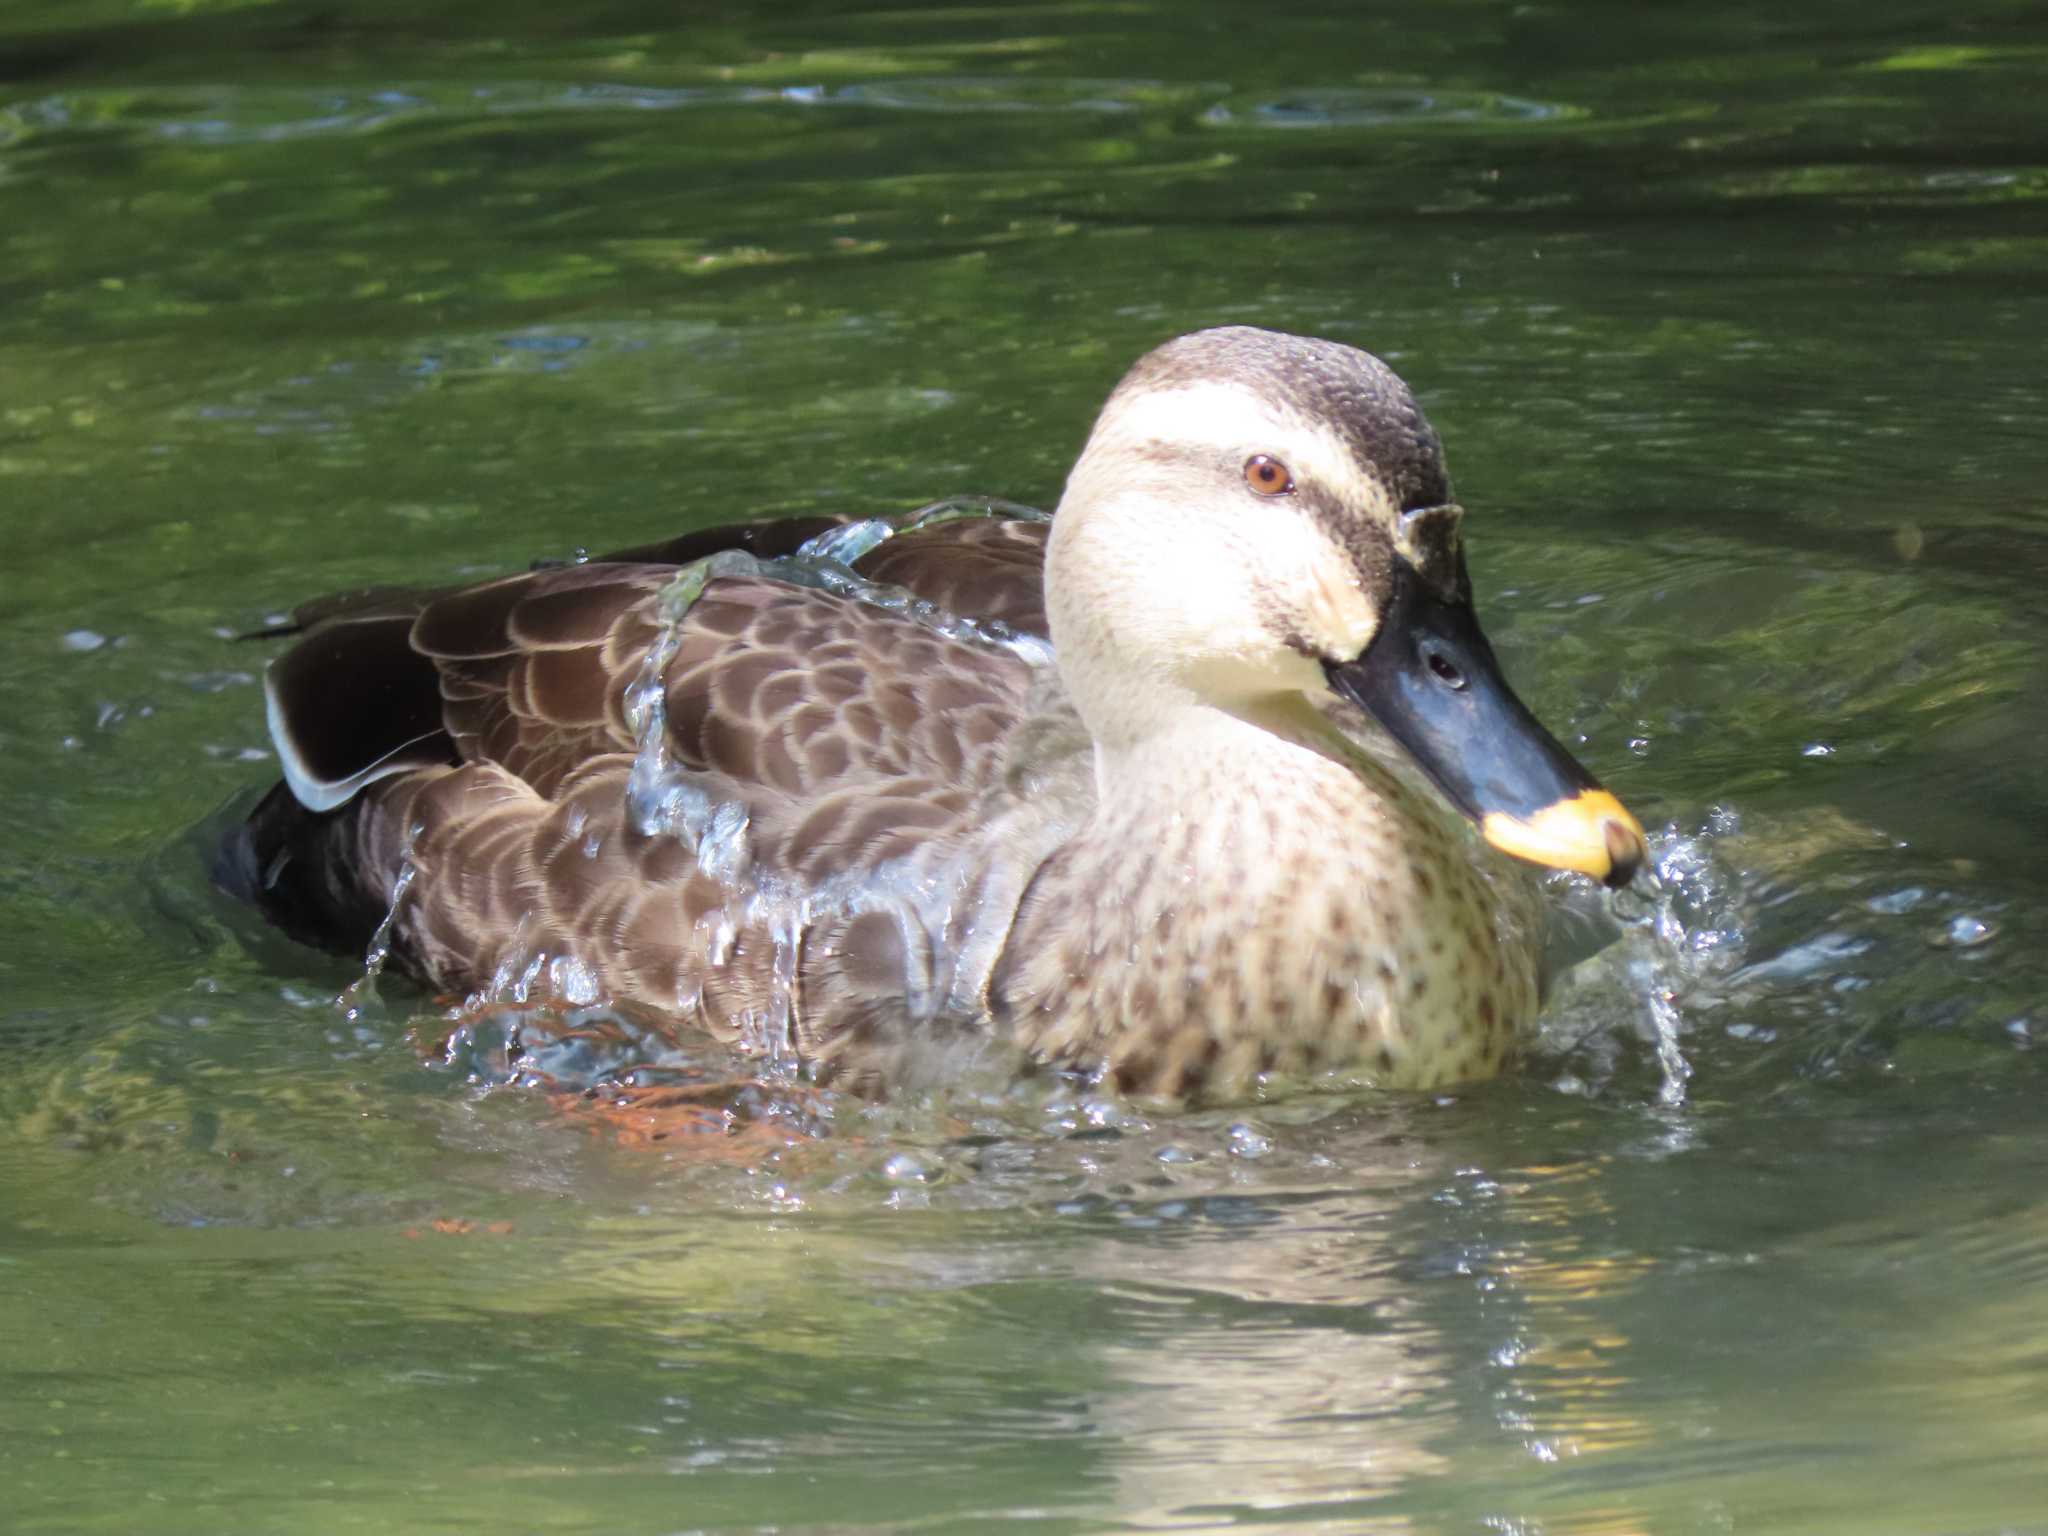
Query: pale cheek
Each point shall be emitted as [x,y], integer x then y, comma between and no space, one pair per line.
[1342,616]
[1189,593]
[1308,579]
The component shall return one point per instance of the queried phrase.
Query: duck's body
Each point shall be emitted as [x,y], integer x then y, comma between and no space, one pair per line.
[1170,843]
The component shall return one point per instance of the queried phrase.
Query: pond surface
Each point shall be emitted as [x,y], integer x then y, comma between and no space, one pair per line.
[1731,317]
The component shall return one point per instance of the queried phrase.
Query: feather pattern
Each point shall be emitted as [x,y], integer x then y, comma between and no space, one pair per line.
[841,811]
[851,742]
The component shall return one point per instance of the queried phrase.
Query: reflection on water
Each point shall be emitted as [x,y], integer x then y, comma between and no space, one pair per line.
[1728,321]
[225,114]
[1377,109]
[1263,1362]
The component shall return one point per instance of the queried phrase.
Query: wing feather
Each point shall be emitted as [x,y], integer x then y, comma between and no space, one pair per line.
[851,733]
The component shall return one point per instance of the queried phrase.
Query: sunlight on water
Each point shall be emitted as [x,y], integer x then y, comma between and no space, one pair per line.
[227,115]
[1335,108]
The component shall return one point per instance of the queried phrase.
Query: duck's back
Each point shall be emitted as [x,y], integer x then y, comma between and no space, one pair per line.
[787,813]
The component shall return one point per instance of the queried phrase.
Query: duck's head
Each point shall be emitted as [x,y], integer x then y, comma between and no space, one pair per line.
[1259,516]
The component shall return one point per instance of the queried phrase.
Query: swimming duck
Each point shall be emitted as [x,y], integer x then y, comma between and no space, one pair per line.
[1209,776]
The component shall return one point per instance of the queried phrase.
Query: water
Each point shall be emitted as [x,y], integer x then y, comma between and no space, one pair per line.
[1729,317]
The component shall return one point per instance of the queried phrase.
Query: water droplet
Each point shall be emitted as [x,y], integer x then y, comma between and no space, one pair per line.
[905,1169]
[1248,1142]
[1963,932]
[573,982]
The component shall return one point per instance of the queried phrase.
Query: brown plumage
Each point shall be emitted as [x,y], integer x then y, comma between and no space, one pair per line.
[826,817]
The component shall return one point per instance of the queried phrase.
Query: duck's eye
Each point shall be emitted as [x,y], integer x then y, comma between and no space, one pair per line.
[1267,475]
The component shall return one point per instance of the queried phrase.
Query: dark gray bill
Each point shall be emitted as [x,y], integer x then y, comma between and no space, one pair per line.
[1432,681]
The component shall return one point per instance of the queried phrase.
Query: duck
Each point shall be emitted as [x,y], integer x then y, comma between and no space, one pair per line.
[1206,781]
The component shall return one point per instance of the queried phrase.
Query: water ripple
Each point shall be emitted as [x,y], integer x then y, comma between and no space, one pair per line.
[228,114]
[1380,107]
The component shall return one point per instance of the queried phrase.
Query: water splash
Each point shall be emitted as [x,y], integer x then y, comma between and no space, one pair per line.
[1666,948]
[355,996]
[826,563]
[1656,968]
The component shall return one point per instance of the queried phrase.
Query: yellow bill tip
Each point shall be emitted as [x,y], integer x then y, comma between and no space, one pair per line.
[1592,834]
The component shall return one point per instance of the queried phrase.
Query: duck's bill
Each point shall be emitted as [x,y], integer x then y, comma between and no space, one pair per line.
[1431,680]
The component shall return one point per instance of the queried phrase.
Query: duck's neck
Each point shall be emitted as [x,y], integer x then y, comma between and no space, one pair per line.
[1223,792]
[1211,758]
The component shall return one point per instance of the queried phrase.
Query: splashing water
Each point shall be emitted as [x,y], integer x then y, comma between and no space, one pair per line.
[826,562]
[1665,949]
[1672,956]
[354,998]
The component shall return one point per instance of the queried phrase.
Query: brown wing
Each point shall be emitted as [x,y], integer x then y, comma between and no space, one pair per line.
[529,671]
[532,670]
[840,725]
[848,731]
[985,568]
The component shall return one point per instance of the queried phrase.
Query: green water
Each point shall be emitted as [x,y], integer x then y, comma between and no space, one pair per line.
[1731,318]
